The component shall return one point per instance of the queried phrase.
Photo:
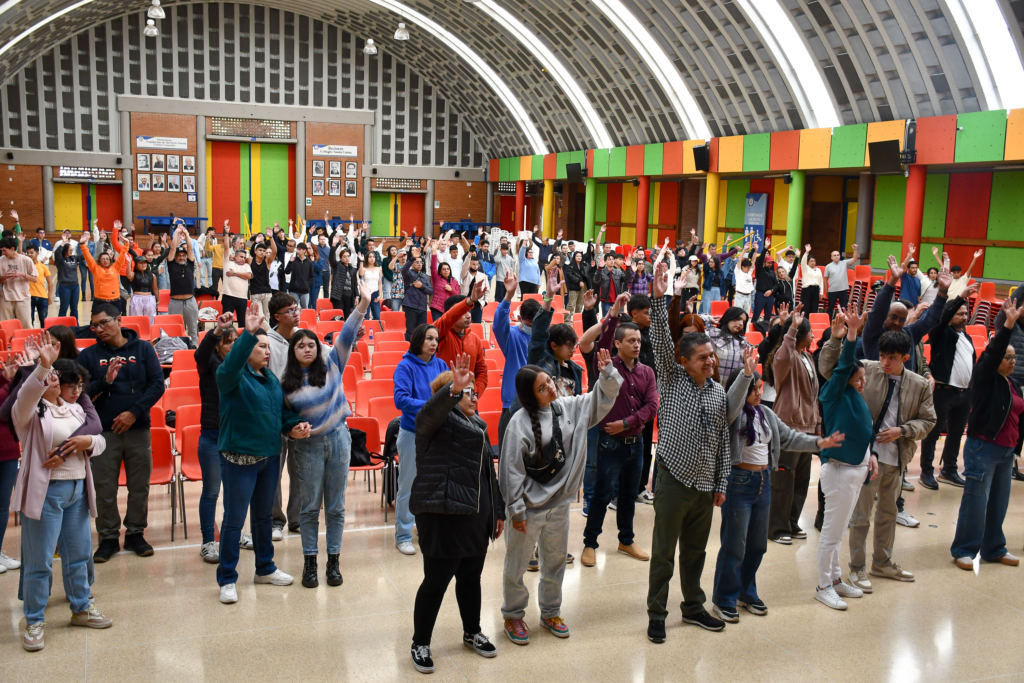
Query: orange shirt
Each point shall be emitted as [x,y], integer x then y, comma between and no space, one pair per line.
[449,344]
[106,282]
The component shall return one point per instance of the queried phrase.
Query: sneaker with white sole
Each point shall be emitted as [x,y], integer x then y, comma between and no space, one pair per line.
[726,614]
[405,547]
[859,579]
[757,607]
[613,505]
[228,594]
[277,534]
[91,618]
[210,552]
[783,540]
[3,569]
[421,659]
[646,497]
[845,590]
[828,597]
[278,578]
[480,644]
[965,562]
[8,562]
[907,520]
[907,486]
[893,571]
[245,542]
[33,639]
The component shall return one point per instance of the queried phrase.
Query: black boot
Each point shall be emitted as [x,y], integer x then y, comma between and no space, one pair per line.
[333,571]
[309,579]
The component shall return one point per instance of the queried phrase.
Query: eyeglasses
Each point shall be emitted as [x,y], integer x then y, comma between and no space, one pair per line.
[470,393]
[1010,358]
[101,323]
[73,388]
[294,310]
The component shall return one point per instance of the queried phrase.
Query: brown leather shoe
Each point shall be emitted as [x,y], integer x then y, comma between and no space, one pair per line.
[634,552]
[589,557]
[1009,559]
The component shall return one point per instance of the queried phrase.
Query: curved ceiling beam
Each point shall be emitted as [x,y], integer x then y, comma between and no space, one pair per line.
[38,25]
[991,48]
[658,62]
[554,66]
[489,75]
[783,41]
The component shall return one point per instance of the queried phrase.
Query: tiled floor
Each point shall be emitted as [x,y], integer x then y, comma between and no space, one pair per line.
[950,625]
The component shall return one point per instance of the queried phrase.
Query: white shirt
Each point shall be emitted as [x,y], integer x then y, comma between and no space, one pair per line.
[744,281]
[810,277]
[963,362]
[957,288]
[808,366]
[236,286]
[929,289]
[889,452]
[757,452]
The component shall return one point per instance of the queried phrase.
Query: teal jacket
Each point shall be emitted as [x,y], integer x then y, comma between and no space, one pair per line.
[843,409]
[252,412]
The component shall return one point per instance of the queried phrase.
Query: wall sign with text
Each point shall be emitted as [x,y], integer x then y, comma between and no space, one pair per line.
[155,142]
[335,151]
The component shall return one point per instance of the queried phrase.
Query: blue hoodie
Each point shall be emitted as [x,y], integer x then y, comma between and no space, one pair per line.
[412,386]
[139,383]
[515,344]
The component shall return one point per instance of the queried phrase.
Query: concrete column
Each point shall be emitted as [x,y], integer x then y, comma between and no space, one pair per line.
[590,210]
[300,169]
[520,208]
[913,211]
[548,229]
[367,161]
[127,176]
[711,209]
[428,210]
[489,215]
[202,207]
[49,214]
[865,213]
[795,219]
[643,208]
[366,201]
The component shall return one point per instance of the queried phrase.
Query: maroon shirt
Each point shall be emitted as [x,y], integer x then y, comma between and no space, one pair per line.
[637,402]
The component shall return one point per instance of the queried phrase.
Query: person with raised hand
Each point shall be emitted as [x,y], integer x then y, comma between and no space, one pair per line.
[54,492]
[252,418]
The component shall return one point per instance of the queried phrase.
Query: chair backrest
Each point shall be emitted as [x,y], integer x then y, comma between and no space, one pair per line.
[62,320]
[9,326]
[979,330]
[175,397]
[25,333]
[372,388]
[328,326]
[390,346]
[987,291]
[157,416]
[184,378]
[383,408]
[141,320]
[818,319]
[494,377]
[172,318]
[306,325]
[477,329]
[364,352]
[184,416]
[384,372]
[309,315]
[332,313]
[184,359]
[535,297]
[214,304]
[171,329]
[189,449]
[372,328]
[754,338]
[491,363]
[370,425]
[349,381]
[718,308]
[165,300]
[393,320]
[863,272]
[84,343]
[387,358]
[490,400]
[355,359]
[492,418]
[163,458]
[390,335]
[489,310]
[323,304]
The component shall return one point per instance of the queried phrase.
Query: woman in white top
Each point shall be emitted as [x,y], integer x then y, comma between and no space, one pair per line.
[811,282]
[929,285]
[757,438]
[235,288]
[370,275]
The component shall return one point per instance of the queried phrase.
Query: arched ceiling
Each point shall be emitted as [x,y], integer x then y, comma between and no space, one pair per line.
[876,59]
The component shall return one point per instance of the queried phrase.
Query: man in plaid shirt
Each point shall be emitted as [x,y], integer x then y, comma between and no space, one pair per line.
[693,462]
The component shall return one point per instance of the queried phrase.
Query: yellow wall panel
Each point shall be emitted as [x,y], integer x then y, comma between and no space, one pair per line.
[688,146]
[628,204]
[815,147]
[723,201]
[780,206]
[884,130]
[655,203]
[1014,135]
[67,206]
[627,235]
[730,154]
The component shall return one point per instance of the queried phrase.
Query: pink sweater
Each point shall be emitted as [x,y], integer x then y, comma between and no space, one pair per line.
[437,282]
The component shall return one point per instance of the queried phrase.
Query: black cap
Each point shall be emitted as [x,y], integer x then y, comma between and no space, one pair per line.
[452,301]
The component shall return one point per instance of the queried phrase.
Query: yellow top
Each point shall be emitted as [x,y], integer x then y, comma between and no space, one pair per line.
[217,249]
[37,287]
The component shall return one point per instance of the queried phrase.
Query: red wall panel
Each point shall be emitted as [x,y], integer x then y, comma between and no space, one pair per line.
[614,214]
[967,215]
[495,170]
[590,164]
[785,154]
[550,166]
[226,182]
[672,163]
[108,204]
[635,160]
[936,139]
[506,211]
[668,208]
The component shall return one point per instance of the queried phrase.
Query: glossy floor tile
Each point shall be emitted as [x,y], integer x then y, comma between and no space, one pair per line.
[949,625]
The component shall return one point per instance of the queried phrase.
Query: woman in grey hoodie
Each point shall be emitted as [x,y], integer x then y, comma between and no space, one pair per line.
[537,498]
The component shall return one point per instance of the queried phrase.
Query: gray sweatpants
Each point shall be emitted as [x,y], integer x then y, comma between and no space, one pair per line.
[548,530]
[134,447]
[189,310]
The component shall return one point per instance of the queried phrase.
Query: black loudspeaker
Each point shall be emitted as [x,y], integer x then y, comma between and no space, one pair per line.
[574,173]
[885,156]
[702,158]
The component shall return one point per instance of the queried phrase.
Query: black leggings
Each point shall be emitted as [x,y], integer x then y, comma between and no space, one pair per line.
[528,288]
[842,298]
[437,574]
[810,297]
[414,317]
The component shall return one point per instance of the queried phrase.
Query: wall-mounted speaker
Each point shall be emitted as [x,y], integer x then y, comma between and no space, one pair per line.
[574,173]
[702,158]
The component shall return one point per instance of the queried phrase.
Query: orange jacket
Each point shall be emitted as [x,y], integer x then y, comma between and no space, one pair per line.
[450,344]
[106,282]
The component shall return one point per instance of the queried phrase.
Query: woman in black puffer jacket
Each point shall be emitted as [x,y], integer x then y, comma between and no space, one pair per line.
[458,508]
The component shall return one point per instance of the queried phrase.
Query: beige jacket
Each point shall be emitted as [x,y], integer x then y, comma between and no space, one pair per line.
[917,412]
[797,400]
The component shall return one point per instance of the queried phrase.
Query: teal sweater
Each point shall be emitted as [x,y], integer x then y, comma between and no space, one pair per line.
[252,412]
[844,410]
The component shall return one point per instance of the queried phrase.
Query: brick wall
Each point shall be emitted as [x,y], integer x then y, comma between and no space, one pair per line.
[163,203]
[22,190]
[334,134]
[460,200]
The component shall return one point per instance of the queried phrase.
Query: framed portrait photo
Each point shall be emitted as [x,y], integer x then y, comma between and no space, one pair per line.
[334,188]
[318,168]
[188,183]
[158,162]
[350,169]
[188,164]
[350,188]
[158,182]
[142,180]
[318,187]
[335,169]
[174,183]
[142,162]
[173,163]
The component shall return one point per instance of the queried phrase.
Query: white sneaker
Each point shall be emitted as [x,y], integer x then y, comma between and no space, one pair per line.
[845,590]
[278,578]
[406,547]
[613,505]
[3,569]
[228,594]
[8,562]
[278,534]
[646,497]
[245,542]
[906,520]
[828,597]
[859,579]
[210,552]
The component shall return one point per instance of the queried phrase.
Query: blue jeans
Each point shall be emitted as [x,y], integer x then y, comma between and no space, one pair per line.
[39,306]
[744,536]
[252,488]
[374,311]
[713,294]
[979,528]
[63,524]
[590,474]
[406,475]
[605,307]
[616,462]
[205,272]
[68,295]
[322,465]
[314,294]
[8,477]
[86,275]
[762,302]
[209,463]
[163,280]
[303,299]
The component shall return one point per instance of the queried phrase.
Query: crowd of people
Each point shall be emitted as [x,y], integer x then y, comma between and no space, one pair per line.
[739,424]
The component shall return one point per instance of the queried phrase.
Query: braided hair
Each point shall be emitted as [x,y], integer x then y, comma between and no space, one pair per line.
[525,379]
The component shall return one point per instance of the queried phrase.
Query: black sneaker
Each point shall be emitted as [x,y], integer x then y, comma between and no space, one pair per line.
[479,644]
[309,579]
[108,548]
[757,607]
[137,544]
[818,521]
[928,481]
[421,659]
[1018,475]
[726,614]
[705,621]
[294,528]
[656,630]
[333,571]
[952,478]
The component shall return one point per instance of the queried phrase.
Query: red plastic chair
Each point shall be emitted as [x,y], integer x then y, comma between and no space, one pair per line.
[387,335]
[390,346]
[190,468]
[355,359]
[175,397]
[328,326]
[718,308]
[492,418]
[384,372]
[65,320]
[25,333]
[332,313]
[489,311]
[364,352]
[157,417]
[490,400]
[392,320]
[383,409]
[535,297]
[372,388]
[172,318]
[754,338]
[323,305]
[494,378]
[84,343]
[491,363]
[184,378]
[819,319]
[171,329]
[141,320]
[185,359]
[215,305]
[387,358]
[371,427]
[185,416]
[163,469]
[308,315]
[164,303]
[9,326]
[349,382]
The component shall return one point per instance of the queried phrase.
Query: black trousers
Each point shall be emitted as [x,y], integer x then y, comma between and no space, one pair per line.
[645,474]
[476,314]
[789,492]
[414,317]
[233,304]
[218,273]
[528,288]
[499,291]
[843,298]
[952,408]
[346,302]
[810,297]
[437,574]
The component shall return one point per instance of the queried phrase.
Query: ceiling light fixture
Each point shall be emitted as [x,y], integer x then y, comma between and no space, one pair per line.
[156,11]
[401,34]
[151,31]
[370,48]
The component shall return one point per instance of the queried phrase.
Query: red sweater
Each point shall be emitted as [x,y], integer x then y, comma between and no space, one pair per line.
[450,344]
[9,448]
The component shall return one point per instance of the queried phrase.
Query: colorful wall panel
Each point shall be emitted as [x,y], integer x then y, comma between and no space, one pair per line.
[1014,150]
[730,154]
[883,130]
[848,146]
[654,159]
[392,213]
[688,165]
[757,151]
[238,173]
[635,160]
[983,136]
[936,139]
[815,147]
[672,157]
[785,150]
[77,205]
[599,169]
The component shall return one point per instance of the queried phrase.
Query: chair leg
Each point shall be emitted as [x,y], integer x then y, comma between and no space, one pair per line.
[375,481]
[174,509]
[181,498]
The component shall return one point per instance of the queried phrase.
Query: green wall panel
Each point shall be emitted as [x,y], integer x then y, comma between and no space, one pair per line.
[617,162]
[736,204]
[537,167]
[1006,211]
[273,190]
[924,257]
[654,157]
[381,213]
[600,169]
[880,251]
[1002,263]
[890,199]
[560,161]
[600,206]
[515,165]
[983,137]
[757,151]
[503,170]
[936,193]
[848,143]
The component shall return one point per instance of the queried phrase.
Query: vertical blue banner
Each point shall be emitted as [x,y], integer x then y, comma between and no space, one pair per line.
[754,216]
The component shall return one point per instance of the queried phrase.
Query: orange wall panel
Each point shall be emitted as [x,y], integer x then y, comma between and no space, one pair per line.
[883,130]
[815,147]
[688,145]
[936,139]
[672,161]
[785,154]
[550,166]
[1014,135]
[635,160]
[730,154]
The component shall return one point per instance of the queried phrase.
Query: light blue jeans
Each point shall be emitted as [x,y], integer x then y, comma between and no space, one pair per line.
[406,475]
[63,524]
[713,294]
[322,463]
[205,272]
